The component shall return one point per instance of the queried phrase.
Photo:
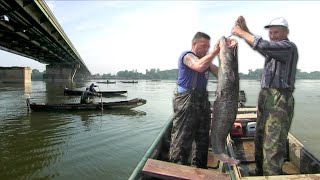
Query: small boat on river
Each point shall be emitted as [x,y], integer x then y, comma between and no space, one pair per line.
[299,164]
[106,82]
[71,92]
[129,104]
[133,81]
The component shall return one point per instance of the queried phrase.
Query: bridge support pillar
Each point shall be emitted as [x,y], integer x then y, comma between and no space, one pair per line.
[60,73]
[21,75]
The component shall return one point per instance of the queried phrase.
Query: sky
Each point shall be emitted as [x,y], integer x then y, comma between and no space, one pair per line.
[113,36]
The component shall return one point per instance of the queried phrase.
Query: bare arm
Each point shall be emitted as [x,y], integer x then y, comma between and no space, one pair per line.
[214,69]
[202,64]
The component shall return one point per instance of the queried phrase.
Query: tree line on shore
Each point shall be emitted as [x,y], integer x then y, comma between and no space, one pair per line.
[153,74]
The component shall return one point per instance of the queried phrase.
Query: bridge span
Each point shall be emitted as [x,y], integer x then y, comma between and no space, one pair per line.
[29,28]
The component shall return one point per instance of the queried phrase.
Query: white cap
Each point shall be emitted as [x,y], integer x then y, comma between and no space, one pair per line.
[278,22]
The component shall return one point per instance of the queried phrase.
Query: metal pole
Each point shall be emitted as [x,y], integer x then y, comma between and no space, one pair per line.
[101,98]
[28,103]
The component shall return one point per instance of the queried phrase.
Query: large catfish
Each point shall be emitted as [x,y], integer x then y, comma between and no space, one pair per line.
[225,106]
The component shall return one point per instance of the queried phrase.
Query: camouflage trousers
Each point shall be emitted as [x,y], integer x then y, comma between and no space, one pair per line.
[275,113]
[190,131]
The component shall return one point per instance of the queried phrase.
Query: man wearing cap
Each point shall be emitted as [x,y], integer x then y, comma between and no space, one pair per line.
[275,103]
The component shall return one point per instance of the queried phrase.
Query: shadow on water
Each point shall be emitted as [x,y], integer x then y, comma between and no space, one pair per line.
[87,113]
[26,87]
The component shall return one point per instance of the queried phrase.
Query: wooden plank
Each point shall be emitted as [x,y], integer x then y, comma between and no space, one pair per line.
[212,162]
[167,170]
[252,116]
[247,110]
[244,149]
[301,157]
[289,168]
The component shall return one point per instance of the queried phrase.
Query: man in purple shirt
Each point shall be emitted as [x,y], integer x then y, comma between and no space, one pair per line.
[275,102]
[191,120]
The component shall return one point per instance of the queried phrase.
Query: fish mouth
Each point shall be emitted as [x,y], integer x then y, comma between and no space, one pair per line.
[231,43]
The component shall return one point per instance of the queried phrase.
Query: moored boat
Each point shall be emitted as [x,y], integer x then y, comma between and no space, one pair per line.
[129,104]
[133,81]
[106,82]
[71,92]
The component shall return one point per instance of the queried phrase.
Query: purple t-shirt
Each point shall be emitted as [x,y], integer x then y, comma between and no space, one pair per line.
[185,75]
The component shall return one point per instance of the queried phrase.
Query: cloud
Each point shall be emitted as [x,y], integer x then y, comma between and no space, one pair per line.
[144,40]
[121,35]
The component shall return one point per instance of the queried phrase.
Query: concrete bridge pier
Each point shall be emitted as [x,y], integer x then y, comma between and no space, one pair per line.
[17,75]
[60,73]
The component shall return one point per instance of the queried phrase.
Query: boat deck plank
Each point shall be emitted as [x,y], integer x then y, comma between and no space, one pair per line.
[246,117]
[212,162]
[244,150]
[167,170]
[247,110]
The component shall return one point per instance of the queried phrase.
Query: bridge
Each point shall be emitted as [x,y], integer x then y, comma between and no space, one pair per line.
[29,28]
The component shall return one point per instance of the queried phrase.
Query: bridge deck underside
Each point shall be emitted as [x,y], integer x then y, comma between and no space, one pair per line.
[29,31]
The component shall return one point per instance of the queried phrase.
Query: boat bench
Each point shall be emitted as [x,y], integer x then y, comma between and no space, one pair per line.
[247,110]
[246,117]
[167,170]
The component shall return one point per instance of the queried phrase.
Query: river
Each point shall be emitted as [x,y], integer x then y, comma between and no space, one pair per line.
[108,144]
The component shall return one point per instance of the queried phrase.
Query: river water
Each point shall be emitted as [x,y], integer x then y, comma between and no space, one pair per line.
[109,144]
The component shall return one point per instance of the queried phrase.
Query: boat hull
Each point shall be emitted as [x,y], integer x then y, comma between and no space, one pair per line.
[300,164]
[129,81]
[106,82]
[96,106]
[70,92]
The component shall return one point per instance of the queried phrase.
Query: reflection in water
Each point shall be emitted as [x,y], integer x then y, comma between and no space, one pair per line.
[54,92]
[30,145]
[26,87]
[88,117]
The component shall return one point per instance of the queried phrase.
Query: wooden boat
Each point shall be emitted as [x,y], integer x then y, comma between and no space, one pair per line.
[242,98]
[129,81]
[213,81]
[300,163]
[95,106]
[106,82]
[71,92]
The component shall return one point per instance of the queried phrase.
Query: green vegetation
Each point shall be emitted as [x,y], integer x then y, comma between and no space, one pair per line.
[36,74]
[153,74]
